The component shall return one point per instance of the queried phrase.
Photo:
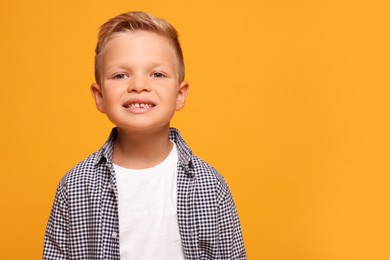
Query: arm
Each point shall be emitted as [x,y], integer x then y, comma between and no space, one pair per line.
[231,241]
[55,243]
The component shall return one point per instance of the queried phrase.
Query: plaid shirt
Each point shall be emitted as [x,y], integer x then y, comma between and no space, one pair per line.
[84,221]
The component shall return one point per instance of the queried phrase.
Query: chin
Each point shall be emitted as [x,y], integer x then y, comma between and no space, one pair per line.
[143,127]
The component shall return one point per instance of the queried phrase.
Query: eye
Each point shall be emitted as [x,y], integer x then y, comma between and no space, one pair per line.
[120,76]
[158,75]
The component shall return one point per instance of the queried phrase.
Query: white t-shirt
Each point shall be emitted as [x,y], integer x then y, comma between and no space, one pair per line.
[148,226]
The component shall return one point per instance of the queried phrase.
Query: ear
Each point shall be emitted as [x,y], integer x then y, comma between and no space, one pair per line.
[97,95]
[182,95]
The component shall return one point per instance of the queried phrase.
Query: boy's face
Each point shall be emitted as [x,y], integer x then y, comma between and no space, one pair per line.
[140,88]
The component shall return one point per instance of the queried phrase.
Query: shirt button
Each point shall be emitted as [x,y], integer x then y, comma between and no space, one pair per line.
[114,235]
[110,186]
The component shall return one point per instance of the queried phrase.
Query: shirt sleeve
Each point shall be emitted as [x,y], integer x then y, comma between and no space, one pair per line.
[231,240]
[55,242]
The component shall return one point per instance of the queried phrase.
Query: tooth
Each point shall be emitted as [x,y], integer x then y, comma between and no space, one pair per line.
[139,105]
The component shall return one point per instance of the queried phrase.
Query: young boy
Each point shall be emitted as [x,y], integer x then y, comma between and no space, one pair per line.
[143,195]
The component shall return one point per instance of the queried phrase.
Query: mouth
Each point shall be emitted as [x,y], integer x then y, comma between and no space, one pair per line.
[139,105]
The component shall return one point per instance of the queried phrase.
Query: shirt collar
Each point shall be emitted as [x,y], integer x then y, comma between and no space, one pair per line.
[184,152]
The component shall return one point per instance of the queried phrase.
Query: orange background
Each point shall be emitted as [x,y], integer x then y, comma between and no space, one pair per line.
[289,100]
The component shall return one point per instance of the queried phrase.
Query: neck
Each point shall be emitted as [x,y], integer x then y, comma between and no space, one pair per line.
[140,150]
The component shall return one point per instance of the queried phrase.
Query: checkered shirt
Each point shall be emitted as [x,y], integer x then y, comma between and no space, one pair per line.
[84,222]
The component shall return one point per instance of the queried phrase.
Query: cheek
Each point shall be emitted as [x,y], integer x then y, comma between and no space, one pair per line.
[111,96]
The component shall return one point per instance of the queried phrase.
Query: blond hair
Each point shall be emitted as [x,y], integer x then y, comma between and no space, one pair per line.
[137,21]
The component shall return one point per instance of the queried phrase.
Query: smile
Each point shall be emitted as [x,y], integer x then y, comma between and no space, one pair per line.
[139,105]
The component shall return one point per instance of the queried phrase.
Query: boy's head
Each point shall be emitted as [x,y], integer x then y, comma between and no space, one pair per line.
[139,72]
[136,21]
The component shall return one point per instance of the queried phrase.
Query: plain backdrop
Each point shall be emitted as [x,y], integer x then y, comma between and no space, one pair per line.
[289,100]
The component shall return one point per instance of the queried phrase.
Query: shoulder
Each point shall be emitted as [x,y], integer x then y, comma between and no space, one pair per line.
[82,173]
[203,169]
[207,177]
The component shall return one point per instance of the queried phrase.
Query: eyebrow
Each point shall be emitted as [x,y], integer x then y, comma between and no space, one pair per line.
[149,65]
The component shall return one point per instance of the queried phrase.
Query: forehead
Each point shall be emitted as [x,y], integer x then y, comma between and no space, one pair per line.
[139,43]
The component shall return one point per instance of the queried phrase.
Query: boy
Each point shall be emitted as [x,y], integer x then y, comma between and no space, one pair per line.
[143,195]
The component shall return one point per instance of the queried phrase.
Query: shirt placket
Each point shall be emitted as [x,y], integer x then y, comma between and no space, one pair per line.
[112,250]
[186,220]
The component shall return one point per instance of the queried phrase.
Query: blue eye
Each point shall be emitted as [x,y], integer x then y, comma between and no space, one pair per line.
[120,76]
[158,75]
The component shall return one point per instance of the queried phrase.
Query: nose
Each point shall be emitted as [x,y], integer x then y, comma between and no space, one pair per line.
[138,84]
